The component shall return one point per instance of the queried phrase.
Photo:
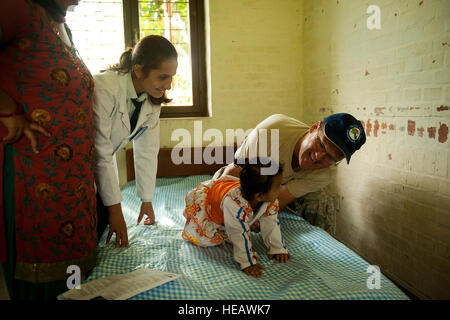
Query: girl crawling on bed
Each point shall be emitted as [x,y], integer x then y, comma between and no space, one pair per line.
[223,210]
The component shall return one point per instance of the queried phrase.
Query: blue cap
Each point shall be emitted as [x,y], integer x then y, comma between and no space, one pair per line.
[345,132]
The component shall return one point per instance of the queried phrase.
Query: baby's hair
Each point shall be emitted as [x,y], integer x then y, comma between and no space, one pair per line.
[252,181]
[150,52]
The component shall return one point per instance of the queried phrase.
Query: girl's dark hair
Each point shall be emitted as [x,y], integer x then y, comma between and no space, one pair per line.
[252,181]
[150,52]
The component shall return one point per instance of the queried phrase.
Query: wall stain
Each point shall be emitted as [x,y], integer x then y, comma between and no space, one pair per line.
[411,127]
[431,132]
[375,128]
[443,108]
[379,111]
[420,131]
[383,126]
[368,127]
[443,133]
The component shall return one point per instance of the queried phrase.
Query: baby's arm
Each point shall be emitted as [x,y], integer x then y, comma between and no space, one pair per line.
[273,239]
[238,231]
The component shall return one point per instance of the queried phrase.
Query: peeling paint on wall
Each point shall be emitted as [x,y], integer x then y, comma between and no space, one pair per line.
[375,128]
[379,111]
[431,132]
[383,127]
[420,131]
[443,133]
[368,128]
[411,127]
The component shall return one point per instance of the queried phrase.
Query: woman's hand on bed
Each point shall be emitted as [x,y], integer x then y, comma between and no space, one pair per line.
[118,226]
[147,208]
[280,257]
[254,271]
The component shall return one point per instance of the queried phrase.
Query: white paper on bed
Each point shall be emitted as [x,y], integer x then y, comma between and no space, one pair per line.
[119,287]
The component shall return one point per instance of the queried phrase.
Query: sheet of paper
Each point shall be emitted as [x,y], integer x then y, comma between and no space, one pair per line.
[120,287]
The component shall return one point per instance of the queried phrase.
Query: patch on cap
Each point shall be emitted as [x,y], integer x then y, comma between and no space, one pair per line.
[353,133]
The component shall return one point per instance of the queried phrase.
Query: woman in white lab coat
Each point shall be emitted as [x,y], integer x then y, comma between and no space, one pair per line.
[127,103]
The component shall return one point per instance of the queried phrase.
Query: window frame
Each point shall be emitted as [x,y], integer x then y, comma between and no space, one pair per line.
[198,61]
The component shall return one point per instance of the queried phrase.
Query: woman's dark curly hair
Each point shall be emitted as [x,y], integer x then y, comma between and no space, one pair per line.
[252,181]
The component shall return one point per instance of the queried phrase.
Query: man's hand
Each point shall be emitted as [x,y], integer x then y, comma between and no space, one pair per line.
[284,197]
[254,271]
[117,225]
[280,257]
[232,170]
[255,227]
[147,208]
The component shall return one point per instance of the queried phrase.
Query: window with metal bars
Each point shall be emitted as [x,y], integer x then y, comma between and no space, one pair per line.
[180,21]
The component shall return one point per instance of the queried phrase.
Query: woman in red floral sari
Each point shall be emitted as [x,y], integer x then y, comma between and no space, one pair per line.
[47,218]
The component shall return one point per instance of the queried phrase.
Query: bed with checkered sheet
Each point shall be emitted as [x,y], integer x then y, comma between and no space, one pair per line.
[320,268]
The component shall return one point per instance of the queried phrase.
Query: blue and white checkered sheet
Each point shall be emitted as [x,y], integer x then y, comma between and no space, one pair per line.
[320,268]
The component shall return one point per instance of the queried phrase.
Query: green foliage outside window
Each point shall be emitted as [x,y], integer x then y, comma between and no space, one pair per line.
[170,19]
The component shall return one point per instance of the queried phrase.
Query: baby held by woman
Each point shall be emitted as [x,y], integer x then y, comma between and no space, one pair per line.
[223,210]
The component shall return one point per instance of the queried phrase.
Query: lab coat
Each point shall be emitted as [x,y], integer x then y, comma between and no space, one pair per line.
[112,132]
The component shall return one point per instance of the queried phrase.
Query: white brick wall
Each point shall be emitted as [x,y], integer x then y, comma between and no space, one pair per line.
[396,80]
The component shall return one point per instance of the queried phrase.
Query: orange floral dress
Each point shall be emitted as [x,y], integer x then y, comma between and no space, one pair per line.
[216,212]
